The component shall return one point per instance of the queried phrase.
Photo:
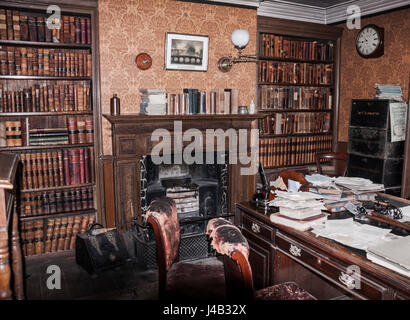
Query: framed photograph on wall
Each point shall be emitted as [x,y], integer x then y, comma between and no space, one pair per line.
[186,52]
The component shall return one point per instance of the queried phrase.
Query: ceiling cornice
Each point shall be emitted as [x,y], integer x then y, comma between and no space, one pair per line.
[295,11]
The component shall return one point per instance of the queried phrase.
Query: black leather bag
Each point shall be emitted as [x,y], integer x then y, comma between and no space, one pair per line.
[99,249]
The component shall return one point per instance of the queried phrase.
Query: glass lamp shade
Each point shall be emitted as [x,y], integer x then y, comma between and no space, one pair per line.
[240,38]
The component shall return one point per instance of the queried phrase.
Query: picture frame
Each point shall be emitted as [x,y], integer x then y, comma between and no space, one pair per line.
[186,52]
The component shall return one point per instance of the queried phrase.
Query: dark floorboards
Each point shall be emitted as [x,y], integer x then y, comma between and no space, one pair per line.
[129,281]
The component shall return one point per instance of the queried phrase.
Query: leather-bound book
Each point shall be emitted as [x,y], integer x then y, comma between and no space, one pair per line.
[46,202]
[48,33]
[45,97]
[38,200]
[32,28]
[4,70]
[66,29]
[87,96]
[84,224]
[24,33]
[72,130]
[25,205]
[33,99]
[27,100]
[67,67]
[72,200]
[23,60]
[88,30]
[89,130]
[1,97]
[16,25]
[77,32]
[40,171]
[40,54]
[66,166]
[62,97]
[41,29]
[59,201]
[29,226]
[49,166]
[60,167]
[10,61]
[87,166]
[83,27]
[56,177]
[89,65]
[19,101]
[12,101]
[63,69]
[92,164]
[3,25]
[69,232]
[37,97]
[9,102]
[33,206]
[44,166]
[66,201]
[50,94]
[81,65]
[52,202]
[56,233]
[56,98]
[80,98]
[33,159]
[81,131]
[90,198]
[84,198]
[67,106]
[82,165]
[42,108]
[10,133]
[51,59]
[23,171]
[49,235]
[38,237]
[29,61]
[28,171]
[56,31]
[72,29]
[77,197]
[76,229]
[75,166]
[46,61]
[9,22]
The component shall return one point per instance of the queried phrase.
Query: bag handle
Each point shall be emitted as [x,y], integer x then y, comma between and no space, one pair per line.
[91,227]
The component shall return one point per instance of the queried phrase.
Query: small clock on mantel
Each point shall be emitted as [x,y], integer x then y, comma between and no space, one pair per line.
[370,41]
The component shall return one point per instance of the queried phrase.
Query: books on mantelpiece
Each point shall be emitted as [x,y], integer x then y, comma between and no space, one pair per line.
[190,101]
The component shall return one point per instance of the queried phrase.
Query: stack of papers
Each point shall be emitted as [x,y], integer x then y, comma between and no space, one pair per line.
[299,210]
[153,102]
[389,92]
[351,233]
[358,185]
[394,255]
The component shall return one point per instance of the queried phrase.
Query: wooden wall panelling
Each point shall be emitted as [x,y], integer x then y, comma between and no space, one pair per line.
[405,184]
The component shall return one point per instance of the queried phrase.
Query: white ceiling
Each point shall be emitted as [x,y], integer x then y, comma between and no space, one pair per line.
[317,11]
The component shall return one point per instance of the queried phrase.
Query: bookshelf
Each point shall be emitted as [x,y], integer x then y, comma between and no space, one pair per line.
[49,115]
[298,91]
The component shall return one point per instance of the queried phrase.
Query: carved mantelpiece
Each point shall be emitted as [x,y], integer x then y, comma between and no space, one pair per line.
[131,139]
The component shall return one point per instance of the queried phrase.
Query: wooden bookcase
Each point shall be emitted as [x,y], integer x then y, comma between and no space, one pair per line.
[298,91]
[56,198]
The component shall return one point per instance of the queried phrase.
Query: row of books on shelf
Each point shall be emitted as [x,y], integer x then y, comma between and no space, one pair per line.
[22,61]
[20,26]
[275,46]
[276,97]
[52,235]
[291,123]
[190,101]
[79,130]
[275,152]
[56,201]
[57,168]
[193,101]
[295,73]
[46,97]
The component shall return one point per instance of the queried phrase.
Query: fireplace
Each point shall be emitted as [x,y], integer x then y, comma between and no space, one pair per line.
[202,191]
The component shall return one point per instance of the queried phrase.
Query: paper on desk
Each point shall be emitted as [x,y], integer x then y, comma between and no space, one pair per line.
[294,185]
[314,204]
[351,233]
[319,180]
[297,195]
[406,213]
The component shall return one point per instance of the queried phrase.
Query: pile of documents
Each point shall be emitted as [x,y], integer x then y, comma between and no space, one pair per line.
[153,102]
[298,210]
[389,92]
[394,254]
[336,192]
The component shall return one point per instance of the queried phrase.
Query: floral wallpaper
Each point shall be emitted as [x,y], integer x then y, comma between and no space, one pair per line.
[129,27]
[359,75]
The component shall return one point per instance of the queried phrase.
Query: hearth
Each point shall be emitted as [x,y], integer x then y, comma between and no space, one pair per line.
[200,193]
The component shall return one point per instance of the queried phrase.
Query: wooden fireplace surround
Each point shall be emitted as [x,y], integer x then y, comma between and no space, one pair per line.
[131,139]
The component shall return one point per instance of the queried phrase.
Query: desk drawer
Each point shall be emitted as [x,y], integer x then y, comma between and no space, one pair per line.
[258,228]
[340,274]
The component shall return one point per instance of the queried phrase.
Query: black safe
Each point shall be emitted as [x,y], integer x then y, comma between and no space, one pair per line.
[371,154]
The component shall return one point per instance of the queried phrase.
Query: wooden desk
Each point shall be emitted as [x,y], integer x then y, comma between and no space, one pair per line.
[319,265]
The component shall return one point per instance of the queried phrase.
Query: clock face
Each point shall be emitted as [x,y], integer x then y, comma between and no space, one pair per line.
[368,41]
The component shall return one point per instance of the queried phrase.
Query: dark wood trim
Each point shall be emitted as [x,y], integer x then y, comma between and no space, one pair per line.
[42,114]
[405,182]
[44,44]
[109,191]
[56,215]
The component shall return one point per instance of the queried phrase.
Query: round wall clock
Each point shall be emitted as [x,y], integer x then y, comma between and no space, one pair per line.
[143,61]
[370,41]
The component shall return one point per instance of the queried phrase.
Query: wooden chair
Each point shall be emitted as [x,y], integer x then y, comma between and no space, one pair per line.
[11,266]
[182,281]
[340,167]
[228,240]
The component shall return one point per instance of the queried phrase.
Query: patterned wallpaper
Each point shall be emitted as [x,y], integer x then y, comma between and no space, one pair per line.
[359,75]
[129,27]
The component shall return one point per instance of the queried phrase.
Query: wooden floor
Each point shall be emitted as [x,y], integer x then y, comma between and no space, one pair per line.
[130,281]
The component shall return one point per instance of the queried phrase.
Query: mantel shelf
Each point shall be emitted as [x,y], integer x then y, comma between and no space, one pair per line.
[132,118]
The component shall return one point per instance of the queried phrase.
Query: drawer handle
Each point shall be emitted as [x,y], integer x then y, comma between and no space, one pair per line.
[295,250]
[255,228]
[347,280]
